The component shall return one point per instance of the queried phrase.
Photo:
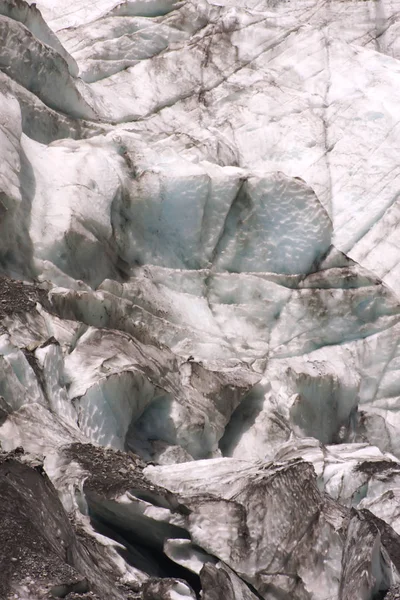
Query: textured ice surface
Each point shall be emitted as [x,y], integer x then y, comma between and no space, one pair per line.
[201,201]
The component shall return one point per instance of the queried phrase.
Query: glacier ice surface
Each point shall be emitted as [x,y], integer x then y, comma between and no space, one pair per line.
[199,300]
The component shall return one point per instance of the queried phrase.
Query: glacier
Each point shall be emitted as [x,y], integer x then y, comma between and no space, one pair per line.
[199,300]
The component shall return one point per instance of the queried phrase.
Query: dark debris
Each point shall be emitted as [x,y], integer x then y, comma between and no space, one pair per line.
[111,471]
[384,469]
[19,297]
